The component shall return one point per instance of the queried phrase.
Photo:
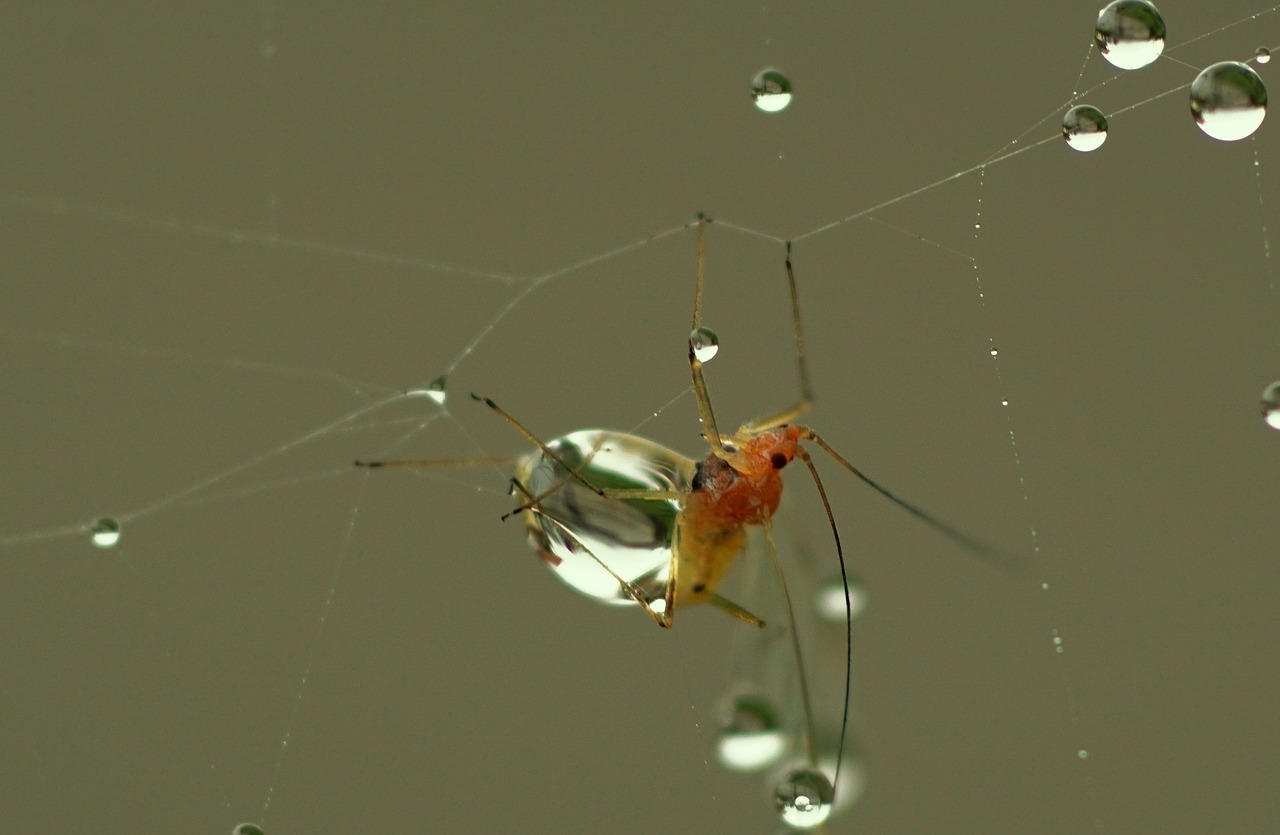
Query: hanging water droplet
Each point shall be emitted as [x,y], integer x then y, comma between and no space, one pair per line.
[994,352]
[750,736]
[829,600]
[1271,405]
[1130,33]
[105,533]
[435,391]
[771,90]
[247,829]
[704,343]
[1084,127]
[1228,100]
[803,798]
[1263,55]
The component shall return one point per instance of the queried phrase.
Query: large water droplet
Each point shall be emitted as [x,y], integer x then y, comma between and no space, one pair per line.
[750,737]
[247,829]
[828,601]
[1084,127]
[1271,405]
[105,533]
[1228,100]
[1262,55]
[771,90]
[1130,33]
[704,343]
[803,798]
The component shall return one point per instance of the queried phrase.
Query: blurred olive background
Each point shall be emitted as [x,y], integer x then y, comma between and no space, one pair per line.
[224,238]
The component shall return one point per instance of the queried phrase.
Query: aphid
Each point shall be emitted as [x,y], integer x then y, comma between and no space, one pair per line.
[626,520]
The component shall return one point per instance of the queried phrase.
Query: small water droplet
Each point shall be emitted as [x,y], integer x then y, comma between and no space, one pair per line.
[750,736]
[994,352]
[1228,100]
[435,391]
[247,829]
[1004,402]
[1084,127]
[803,798]
[105,533]
[829,600]
[771,90]
[1130,33]
[704,343]
[1271,405]
[1263,55]
[1082,754]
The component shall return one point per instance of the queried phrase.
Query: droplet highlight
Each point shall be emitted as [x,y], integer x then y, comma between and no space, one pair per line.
[803,798]
[750,736]
[1271,405]
[704,343]
[1084,128]
[1129,34]
[1228,100]
[105,533]
[829,600]
[1262,55]
[435,391]
[771,90]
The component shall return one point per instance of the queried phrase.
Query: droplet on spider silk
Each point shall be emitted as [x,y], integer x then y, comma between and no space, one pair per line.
[105,533]
[750,736]
[1228,100]
[1129,34]
[1271,405]
[1084,127]
[1262,55]
[704,343]
[803,798]
[247,829]
[771,90]
[829,600]
[435,391]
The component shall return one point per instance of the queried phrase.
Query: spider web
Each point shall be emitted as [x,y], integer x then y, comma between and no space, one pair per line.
[232,237]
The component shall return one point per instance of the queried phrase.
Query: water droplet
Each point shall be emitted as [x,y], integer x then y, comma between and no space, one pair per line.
[750,737]
[803,798]
[704,343]
[771,90]
[105,533]
[1271,405]
[1004,402]
[1129,33]
[828,601]
[1082,754]
[1263,55]
[435,391]
[994,352]
[1228,100]
[1084,127]
[247,829]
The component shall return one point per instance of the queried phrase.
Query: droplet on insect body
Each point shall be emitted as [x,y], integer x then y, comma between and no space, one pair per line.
[1271,405]
[771,90]
[705,343]
[1084,127]
[105,533]
[750,736]
[803,797]
[1228,100]
[1130,34]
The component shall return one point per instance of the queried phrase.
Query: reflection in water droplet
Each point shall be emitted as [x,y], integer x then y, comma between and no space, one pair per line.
[1263,55]
[1228,100]
[828,601]
[771,90]
[1271,405]
[704,343]
[1084,127]
[105,533]
[1130,34]
[803,797]
[750,737]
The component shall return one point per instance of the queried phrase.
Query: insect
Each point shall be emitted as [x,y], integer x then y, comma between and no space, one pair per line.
[626,520]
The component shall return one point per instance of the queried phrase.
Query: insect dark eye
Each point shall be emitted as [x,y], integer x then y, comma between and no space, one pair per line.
[778,460]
